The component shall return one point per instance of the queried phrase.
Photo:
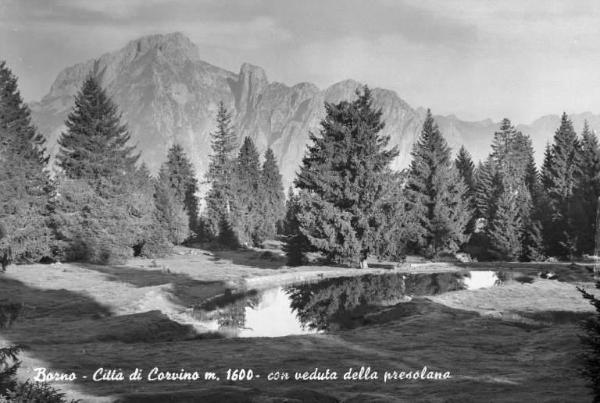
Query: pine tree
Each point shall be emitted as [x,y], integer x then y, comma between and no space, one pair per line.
[487,183]
[290,212]
[466,169]
[503,195]
[247,205]
[105,209]
[504,231]
[171,212]
[561,174]
[400,225]
[296,243]
[182,179]
[341,180]
[273,198]
[26,191]
[588,190]
[149,236]
[95,148]
[511,154]
[92,226]
[436,192]
[219,175]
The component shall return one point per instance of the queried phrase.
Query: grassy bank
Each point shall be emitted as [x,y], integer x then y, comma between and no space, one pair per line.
[499,344]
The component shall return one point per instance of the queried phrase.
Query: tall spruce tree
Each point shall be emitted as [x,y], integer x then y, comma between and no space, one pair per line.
[436,192]
[533,241]
[466,169]
[219,175]
[588,190]
[400,224]
[560,175]
[487,183]
[171,212]
[505,229]
[105,211]
[342,177]
[26,191]
[512,156]
[182,179]
[247,202]
[95,148]
[273,198]
[296,243]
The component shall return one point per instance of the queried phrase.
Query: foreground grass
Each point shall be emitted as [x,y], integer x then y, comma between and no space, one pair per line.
[499,344]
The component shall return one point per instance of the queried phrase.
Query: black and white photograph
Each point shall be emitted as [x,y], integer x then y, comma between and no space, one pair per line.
[299,201]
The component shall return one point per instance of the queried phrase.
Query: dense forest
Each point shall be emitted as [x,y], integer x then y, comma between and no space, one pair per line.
[98,204]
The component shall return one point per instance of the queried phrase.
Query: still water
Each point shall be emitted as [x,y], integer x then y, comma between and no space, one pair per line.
[325,305]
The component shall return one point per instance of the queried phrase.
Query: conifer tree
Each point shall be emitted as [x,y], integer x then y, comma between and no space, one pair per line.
[504,196]
[342,177]
[290,211]
[247,205]
[588,190]
[505,229]
[400,225]
[182,179]
[466,169]
[26,191]
[171,212]
[296,243]
[95,148]
[273,198]
[486,190]
[533,242]
[561,174]
[436,192]
[219,175]
[105,211]
[511,154]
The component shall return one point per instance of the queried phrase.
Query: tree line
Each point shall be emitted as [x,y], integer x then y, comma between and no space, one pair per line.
[350,205]
[103,206]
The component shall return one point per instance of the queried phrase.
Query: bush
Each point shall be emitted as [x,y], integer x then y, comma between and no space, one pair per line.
[34,392]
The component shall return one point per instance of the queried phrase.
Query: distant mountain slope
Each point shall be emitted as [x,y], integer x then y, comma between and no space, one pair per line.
[168,94]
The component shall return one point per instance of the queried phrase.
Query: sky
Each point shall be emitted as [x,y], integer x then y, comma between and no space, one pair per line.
[475,59]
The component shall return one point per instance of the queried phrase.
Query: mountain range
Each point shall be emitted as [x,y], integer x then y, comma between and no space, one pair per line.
[168,94]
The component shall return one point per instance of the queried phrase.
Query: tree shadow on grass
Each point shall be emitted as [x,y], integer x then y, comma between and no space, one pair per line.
[57,327]
[260,259]
[186,290]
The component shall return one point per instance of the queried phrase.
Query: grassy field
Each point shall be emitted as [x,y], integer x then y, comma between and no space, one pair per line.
[513,343]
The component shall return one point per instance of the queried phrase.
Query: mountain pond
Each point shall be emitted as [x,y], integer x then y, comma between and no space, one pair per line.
[330,304]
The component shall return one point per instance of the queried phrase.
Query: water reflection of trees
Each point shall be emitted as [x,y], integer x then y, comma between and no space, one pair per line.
[327,304]
[229,310]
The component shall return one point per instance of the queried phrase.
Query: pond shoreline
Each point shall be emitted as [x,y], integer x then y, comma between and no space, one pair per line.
[109,316]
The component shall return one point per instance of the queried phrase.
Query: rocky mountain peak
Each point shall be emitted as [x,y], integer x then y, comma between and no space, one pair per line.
[252,83]
[172,45]
[345,89]
[168,95]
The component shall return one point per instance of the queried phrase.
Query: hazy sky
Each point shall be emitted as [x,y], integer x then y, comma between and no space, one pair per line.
[473,58]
